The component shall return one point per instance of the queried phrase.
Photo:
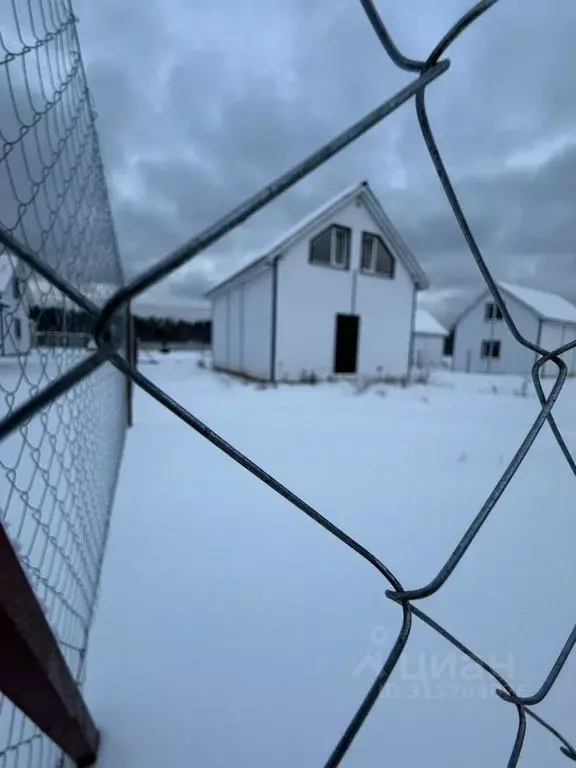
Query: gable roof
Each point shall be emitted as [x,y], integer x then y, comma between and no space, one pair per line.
[425,323]
[545,305]
[548,306]
[361,191]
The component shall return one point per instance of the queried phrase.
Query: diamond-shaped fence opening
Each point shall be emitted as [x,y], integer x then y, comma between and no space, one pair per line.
[64,405]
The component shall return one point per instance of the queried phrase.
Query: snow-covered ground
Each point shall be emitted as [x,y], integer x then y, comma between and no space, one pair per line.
[233,630]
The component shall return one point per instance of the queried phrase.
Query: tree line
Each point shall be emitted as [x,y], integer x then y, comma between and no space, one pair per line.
[162,329]
[63,321]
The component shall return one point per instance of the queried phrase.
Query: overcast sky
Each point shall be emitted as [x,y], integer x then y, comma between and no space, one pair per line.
[200,104]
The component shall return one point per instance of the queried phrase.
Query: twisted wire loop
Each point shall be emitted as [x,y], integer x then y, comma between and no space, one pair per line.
[57,227]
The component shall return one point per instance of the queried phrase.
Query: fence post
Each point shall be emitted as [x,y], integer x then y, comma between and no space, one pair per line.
[33,672]
[131,359]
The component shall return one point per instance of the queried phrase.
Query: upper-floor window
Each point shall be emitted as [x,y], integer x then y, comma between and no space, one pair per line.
[17,327]
[16,288]
[375,258]
[331,247]
[492,311]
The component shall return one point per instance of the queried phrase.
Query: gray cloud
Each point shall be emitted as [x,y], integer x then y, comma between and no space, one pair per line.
[521,219]
[200,105]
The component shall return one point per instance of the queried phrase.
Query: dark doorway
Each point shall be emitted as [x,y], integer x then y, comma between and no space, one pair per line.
[346,346]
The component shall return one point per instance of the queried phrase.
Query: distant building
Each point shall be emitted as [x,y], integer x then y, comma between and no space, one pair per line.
[483,343]
[15,336]
[428,344]
[334,295]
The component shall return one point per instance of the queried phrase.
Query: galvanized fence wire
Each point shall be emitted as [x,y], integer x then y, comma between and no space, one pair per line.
[103,318]
[59,464]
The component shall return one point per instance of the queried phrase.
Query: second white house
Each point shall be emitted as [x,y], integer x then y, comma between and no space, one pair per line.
[483,343]
[14,302]
[335,295]
[429,337]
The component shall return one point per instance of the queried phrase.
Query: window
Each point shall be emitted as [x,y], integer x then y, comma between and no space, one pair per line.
[16,288]
[342,241]
[17,327]
[490,348]
[321,248]
[331,248]
[376,259]
[492,312]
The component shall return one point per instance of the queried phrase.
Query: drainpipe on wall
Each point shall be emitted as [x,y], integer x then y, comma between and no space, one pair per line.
[241,339]
[274,320]
[538,340]
[354,291]
[411,341]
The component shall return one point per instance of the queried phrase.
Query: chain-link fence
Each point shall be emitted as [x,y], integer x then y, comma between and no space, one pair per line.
[58,464]
[72,401]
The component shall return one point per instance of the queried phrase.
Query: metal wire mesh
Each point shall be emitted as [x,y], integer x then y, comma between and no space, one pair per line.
[78,378]
[58,467]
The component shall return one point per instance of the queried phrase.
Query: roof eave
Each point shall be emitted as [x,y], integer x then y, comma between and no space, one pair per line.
[421,281]
[487,292]
[400,248]
[263,261]
[293,237]
[362,190]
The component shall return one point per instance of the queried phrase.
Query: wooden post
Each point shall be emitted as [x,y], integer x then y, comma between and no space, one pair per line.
[33,672]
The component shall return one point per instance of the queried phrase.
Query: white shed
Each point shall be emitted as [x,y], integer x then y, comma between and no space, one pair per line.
[483,343]
[334,295]
[428,344]
[15,336]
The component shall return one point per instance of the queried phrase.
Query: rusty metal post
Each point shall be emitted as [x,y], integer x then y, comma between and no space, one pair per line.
[33,672]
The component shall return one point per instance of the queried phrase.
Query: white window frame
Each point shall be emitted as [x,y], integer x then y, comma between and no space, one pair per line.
[492,312]
[374,240]
[335,230]
[345,233]
[488,347]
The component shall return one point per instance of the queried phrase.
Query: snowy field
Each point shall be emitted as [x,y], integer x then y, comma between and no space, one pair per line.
[233,630]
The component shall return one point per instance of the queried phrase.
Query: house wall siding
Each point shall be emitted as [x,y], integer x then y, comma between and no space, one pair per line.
[555,335]
[310,297]
[258,325]
[428,350]
[234,329]
[473,329]
[220,331]
[241,327]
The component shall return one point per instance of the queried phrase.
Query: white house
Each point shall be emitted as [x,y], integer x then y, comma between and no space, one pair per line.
[336,294]
[14,319]
[483,343]
[428,344]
